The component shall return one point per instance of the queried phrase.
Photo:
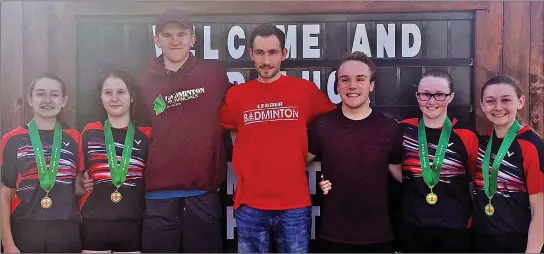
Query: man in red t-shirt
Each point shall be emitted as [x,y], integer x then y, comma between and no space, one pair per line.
[270,115]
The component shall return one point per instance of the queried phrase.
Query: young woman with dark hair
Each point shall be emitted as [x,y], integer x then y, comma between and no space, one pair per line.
[115,153]
[40,161]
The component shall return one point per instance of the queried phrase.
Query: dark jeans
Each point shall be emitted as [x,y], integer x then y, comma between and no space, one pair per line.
[291,229]
[191,224]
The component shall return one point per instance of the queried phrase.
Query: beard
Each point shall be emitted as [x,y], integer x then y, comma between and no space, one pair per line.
[271,73]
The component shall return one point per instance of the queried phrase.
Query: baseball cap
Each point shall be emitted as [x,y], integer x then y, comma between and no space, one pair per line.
[173,15]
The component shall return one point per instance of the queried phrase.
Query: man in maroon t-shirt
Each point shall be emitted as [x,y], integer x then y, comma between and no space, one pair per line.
[357,145]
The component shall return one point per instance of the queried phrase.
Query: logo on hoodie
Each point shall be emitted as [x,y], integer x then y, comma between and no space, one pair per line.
[161,104]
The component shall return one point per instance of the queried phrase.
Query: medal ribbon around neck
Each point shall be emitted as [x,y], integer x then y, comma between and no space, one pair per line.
[490,179]
[118,171]
[46,175]
[431,175]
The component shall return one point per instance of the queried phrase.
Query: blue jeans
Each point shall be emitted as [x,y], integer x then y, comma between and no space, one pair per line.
[290,228]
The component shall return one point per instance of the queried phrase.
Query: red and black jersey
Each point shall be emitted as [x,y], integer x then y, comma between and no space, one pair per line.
[19,172]
[97,204]
[454,207]
[520,175]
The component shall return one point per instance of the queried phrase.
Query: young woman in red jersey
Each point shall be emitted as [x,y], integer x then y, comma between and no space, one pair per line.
[115,153]
[438,156]
[509,179]
[40,162]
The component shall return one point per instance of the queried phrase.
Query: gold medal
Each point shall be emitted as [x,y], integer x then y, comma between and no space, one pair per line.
[116,197]
[431,198]
[46,202]
[489,209]
[118,171]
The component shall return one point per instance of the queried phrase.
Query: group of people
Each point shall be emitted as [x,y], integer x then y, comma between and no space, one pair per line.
[460,191]
[121,187]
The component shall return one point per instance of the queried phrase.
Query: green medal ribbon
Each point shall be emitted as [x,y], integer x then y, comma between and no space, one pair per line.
[490,180]
[47,175]
[118,172]
[431,175]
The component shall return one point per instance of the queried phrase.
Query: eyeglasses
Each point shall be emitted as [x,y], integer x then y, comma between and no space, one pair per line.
[437,96]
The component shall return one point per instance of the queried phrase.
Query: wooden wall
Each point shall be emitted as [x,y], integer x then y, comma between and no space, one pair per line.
[40,36]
